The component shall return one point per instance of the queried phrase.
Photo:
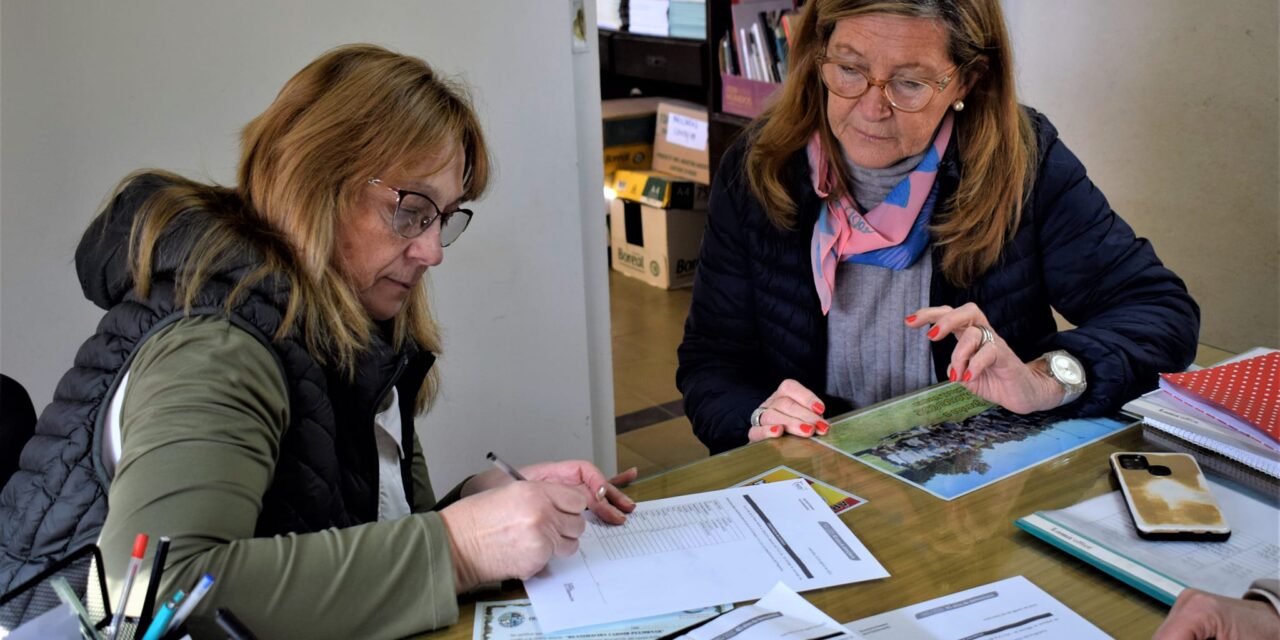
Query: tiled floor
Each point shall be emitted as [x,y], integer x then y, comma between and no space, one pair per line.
[653,433]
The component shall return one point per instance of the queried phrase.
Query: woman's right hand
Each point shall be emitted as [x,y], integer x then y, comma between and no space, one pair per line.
[791,409]
[512,531]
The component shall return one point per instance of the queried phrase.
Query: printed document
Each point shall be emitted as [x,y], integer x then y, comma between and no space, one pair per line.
[1009,609]
[700,550]
[782,614]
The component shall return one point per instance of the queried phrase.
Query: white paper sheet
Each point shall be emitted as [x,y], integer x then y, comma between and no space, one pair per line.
[699,550]
[1009,609]
[782,614]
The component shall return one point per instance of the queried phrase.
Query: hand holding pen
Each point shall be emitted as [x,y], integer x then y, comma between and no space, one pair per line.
[608,502]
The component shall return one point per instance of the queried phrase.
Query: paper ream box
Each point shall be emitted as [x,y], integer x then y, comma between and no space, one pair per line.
[657,246]
[660,190]
[680,145]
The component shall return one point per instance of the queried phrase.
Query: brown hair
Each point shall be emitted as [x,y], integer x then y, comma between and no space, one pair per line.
[996,143]
[355,112]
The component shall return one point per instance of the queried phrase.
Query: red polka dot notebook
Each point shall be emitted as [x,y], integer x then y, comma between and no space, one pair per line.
[1244,395]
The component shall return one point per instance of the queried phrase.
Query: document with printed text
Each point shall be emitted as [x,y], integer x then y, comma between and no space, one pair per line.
[700,550]
[1010,609]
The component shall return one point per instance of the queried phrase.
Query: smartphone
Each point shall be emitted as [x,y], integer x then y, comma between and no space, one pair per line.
[1168,497]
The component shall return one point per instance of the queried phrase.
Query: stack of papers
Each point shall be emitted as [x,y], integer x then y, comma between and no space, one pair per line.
[609,14]
[689,19]
[649,17]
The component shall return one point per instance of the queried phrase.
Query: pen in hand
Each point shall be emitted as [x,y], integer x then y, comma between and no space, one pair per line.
[506,468]
[515,475]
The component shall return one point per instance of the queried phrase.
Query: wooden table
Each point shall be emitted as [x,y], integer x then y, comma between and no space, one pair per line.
[931,547]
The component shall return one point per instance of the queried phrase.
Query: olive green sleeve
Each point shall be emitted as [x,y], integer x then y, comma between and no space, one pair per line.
[204,412]
[423,497]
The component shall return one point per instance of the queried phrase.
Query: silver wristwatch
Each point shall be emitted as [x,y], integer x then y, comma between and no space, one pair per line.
[1068,372]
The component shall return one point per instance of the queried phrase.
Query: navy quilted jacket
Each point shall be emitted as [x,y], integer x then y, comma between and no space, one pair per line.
[756,320]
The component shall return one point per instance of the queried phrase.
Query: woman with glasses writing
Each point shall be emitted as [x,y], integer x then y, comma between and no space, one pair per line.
[896,218]
[251,390]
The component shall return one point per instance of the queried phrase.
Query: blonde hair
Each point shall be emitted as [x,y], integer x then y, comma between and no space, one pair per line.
[355,112]
[996,142]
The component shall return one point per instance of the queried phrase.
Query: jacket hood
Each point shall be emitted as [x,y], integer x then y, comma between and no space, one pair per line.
[102,257]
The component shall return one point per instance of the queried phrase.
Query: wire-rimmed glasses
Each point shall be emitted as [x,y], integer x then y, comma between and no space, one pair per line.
[416,211]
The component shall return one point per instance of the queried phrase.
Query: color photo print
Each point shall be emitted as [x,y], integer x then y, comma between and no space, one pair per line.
[950,442]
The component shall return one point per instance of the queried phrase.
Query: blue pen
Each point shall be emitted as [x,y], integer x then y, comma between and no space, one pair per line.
[161,622]
[197,594]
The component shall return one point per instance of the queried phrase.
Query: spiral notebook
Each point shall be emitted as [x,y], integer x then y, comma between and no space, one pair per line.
[1244,395]
[1160,410]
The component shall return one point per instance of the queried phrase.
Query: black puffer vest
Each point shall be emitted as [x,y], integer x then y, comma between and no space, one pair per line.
[327,472]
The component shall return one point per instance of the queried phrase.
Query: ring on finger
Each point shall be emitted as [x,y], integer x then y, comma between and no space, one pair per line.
[987,336]
[755,416]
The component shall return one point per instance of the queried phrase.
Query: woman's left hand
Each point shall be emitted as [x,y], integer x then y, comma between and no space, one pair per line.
[604,498]
[985,364]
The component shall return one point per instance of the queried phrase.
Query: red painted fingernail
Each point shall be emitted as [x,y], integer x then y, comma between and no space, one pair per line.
[806,429]
[775,429]
[933,333]
[968,375]
[911,318]
[823,427]
[951,373]
[818,408]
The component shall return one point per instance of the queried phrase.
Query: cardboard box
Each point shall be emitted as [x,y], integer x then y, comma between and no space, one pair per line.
[660,190]
[680,146]
[657,246]
[629,125]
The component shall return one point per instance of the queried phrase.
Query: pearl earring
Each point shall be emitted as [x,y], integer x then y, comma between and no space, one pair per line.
[958,105]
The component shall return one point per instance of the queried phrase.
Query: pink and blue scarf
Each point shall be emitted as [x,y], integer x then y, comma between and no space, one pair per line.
[892,235]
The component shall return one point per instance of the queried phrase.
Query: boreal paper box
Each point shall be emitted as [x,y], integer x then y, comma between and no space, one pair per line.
[657,246]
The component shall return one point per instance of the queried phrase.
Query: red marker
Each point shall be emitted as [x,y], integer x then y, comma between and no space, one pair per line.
[135,563]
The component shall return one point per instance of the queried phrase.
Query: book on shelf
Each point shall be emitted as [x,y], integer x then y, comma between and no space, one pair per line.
[1100,532]
[1162,410]
[759,40]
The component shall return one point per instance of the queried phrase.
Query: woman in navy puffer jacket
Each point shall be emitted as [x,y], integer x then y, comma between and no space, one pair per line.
[896,218]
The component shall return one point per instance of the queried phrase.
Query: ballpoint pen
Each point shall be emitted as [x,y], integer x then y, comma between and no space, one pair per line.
[135,561]
[197,594]
[510,470]
[515,475]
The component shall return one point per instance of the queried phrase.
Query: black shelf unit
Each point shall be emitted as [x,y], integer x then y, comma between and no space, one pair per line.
[674,67]
[652,66]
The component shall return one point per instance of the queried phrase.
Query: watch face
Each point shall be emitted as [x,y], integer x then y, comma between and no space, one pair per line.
[1066,369]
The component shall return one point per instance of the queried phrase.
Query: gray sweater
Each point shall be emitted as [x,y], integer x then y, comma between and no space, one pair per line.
[871,354]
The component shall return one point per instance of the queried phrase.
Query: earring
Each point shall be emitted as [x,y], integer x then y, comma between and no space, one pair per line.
[958,105]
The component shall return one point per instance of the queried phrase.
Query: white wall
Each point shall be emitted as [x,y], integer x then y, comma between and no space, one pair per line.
[94,90]
[1173,105]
